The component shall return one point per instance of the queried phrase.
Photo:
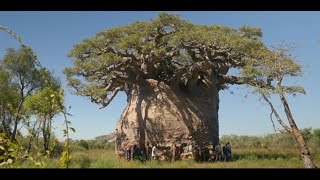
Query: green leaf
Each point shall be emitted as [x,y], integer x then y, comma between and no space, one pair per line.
[73,129]
[1,147]
[23,117]
[20,39]
[64,153]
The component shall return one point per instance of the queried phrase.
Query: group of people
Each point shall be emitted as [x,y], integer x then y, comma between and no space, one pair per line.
[202,153]
[223,155]
[134,152]
[143,154]
[196,152]
[208,152]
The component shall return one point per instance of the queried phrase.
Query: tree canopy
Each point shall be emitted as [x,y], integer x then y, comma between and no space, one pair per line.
[167,49]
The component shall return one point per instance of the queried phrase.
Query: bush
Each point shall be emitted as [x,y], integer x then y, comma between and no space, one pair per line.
[84,144]
[76,147]
[58,149]
[110,146]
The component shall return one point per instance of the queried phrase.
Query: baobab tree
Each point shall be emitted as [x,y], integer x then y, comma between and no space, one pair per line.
[171,71]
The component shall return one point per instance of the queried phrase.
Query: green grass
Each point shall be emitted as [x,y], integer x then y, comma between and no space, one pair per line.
[242,158]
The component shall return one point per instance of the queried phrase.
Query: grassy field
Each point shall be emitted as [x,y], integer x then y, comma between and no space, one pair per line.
[242,158]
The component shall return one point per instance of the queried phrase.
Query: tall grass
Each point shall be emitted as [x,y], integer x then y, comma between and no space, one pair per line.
[242,158]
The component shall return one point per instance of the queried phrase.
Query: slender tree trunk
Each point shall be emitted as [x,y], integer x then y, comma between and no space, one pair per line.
[44,134]
[17,118]
[5,128]
[305,153]
[163,114]
[67,140]
[31,138]
[49,133]
[38,134]
[29,145]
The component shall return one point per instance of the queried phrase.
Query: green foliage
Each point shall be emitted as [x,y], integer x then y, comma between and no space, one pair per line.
[9,99]
[251,142]
[248,158]
[9,151]
[21,66]
[306,133]
[66,157]
[28,90]
[46,102]
[273,67]
[282,140]
[23,79]
[102,142]
[249,155]
[84,144]
[77,148]
[72,129]
[166,48]
[316,133]
[251,32]
[82,160]
[19,39]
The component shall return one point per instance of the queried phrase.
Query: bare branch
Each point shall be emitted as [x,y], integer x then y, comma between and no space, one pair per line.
[274,127]
[244,80]
[275,113]
[107,101]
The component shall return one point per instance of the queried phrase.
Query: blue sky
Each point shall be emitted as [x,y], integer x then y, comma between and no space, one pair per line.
[53,34]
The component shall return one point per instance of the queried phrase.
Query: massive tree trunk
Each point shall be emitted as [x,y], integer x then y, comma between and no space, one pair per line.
[163,114]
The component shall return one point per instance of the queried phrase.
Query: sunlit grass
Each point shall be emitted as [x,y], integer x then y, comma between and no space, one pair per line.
[242,158]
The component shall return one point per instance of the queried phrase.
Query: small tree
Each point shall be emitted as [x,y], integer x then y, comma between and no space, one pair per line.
[9,97]
[273,69]
[25,73]
[45,105]
[22,75]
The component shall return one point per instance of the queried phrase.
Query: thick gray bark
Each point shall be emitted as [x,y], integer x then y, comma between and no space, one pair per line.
[163,114]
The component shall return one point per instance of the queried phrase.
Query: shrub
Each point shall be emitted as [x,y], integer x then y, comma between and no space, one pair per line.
[84,144]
